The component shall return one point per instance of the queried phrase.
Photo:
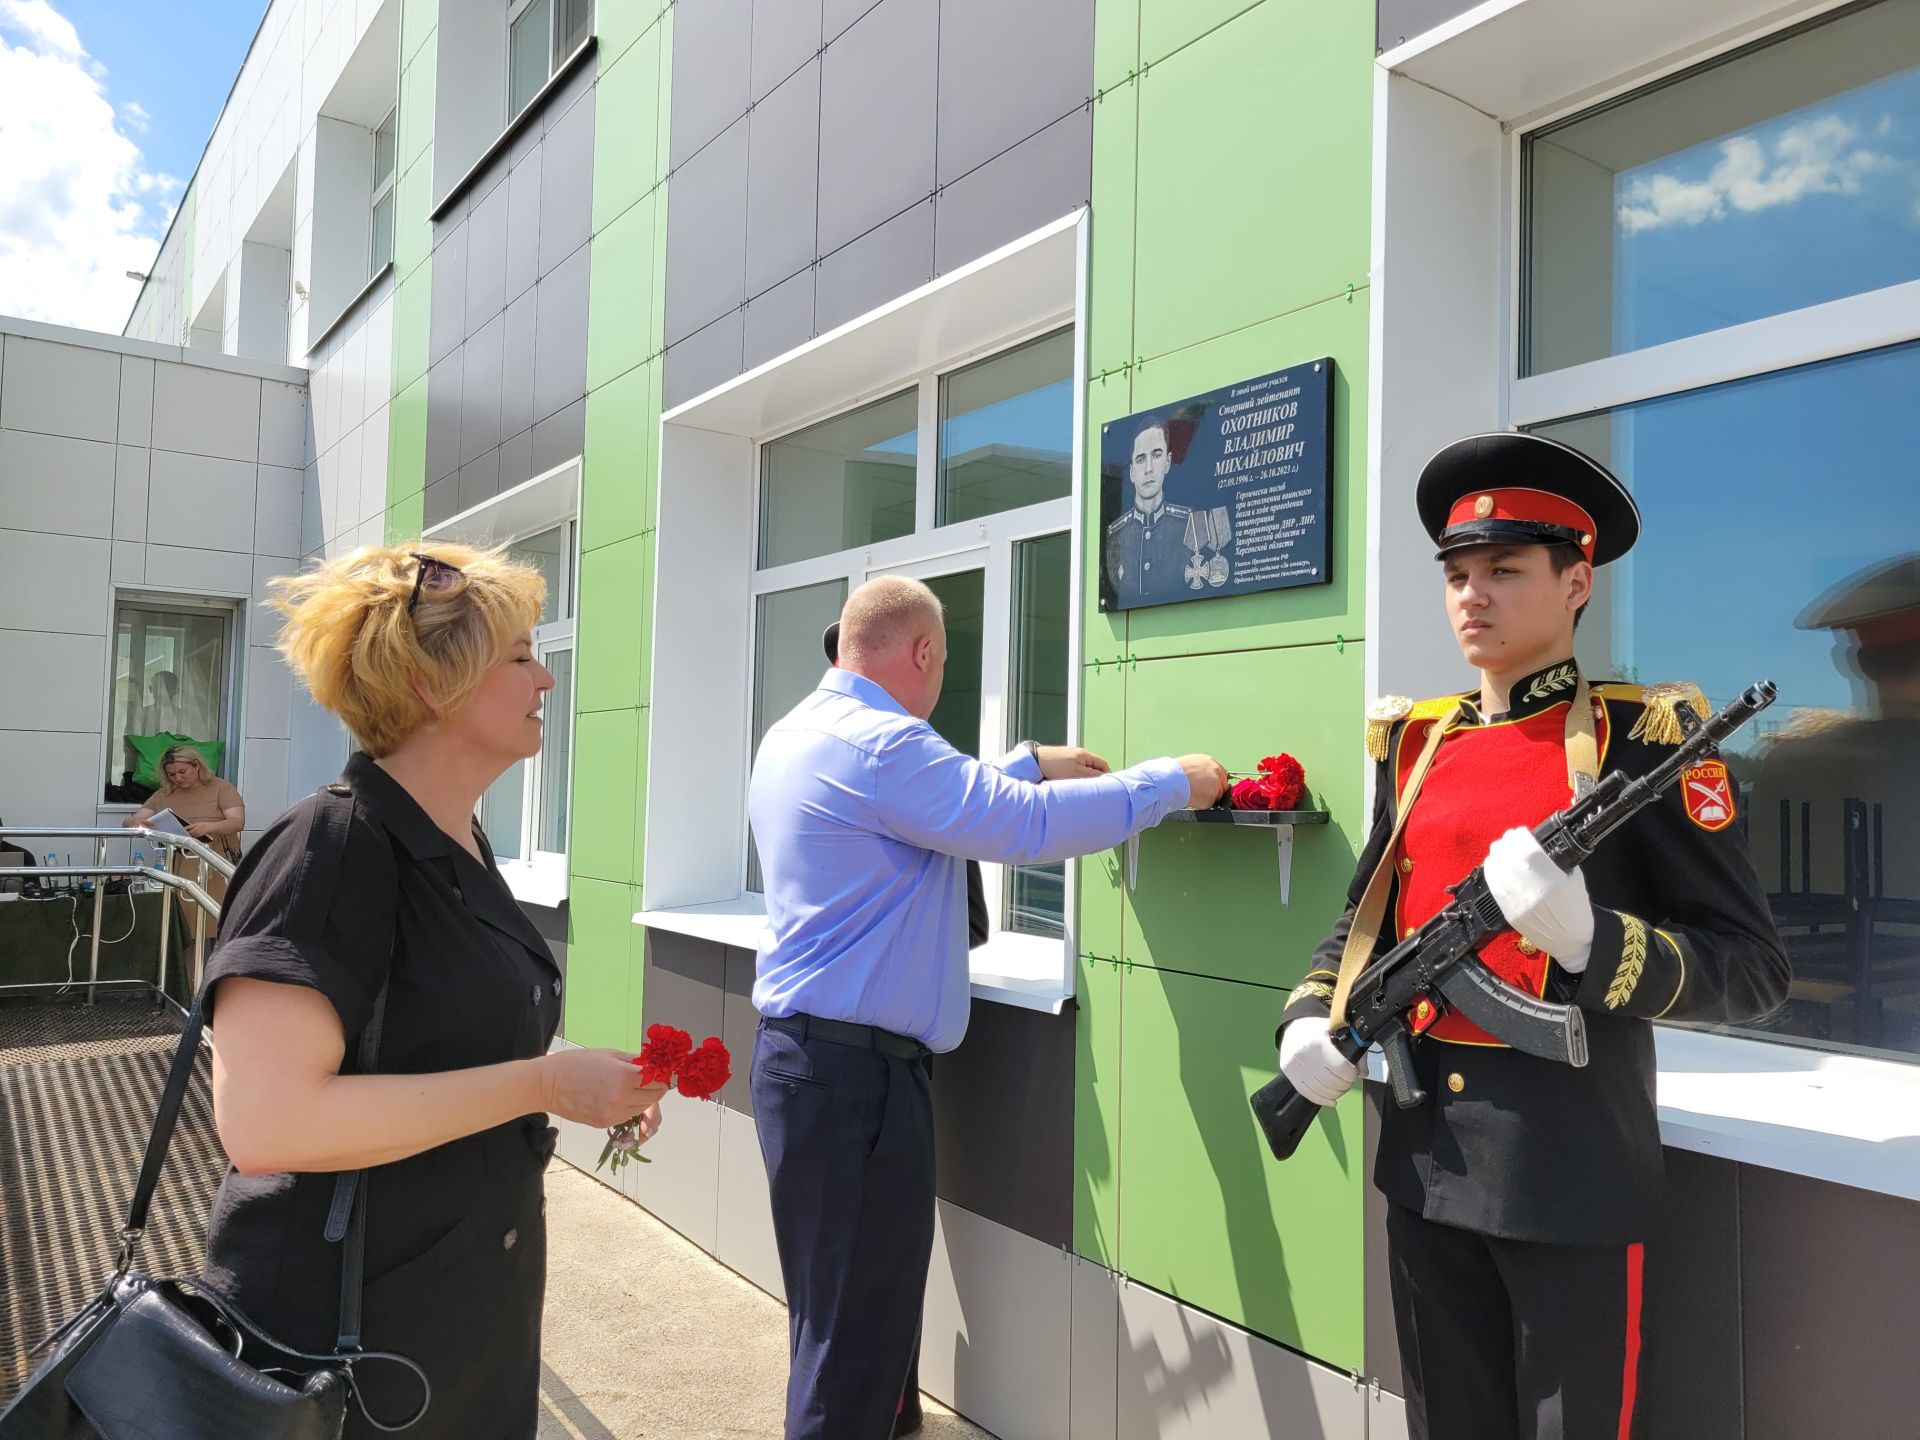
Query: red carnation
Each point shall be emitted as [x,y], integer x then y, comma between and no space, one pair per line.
[1247,795]
[1283,781]
[666,1049]
[705,1070]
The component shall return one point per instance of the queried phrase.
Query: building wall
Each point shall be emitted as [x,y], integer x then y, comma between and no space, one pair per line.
[130,467]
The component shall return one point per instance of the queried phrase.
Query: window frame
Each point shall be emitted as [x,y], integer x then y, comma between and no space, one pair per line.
[985,543]
[232,701]
[556,60]
[549,501]
[382,189]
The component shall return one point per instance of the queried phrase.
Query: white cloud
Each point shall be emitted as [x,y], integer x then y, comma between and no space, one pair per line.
[1818,157]
[78,207]
[135,114]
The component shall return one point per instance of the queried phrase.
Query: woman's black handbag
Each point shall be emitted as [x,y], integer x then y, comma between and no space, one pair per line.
[158,1359]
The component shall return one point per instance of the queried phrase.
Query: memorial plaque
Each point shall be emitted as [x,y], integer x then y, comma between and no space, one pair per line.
[1227,493]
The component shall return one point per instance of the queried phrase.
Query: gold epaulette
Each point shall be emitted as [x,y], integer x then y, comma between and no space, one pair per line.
[1659,721]
[1389,710]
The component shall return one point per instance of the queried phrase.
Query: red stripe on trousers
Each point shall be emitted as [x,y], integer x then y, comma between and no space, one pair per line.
[1629,1382]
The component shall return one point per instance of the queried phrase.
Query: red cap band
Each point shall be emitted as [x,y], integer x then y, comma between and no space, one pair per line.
[1537,506]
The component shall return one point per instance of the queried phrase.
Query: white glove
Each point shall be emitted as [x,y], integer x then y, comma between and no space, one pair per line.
[1311,1063]
[1546,904]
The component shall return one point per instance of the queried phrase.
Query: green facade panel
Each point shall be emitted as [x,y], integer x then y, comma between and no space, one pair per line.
[1256,142]
[412,299]
[615,625]
[627,109]
[1230,238]
[622,325]
[1204,1212]
[602,983]
[623,436]
[1207,898]
[606,757]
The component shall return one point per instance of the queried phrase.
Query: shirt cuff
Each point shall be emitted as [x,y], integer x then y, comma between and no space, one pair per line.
[1019,764]
[1171,788]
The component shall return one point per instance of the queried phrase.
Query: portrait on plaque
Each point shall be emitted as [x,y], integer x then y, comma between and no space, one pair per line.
[1226,493]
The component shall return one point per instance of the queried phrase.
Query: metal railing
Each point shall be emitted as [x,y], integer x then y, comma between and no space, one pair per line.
[205,908]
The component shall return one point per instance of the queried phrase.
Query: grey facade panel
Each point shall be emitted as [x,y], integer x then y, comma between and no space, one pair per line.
[560,336]
[1830,1300]
[786,34]
[1040,179]
[559,106]
[487,259]
[1003,1121]
[523,227]
[1691,1370]
[560,437]
[710,67]
[702,360]
[1035,61]
[516,459]
[779,320]
[480,392]
[837,15]
[447,324]
[566,187]
[707,234]
[877,109]
[445,382]
[739,1022]
[478,482]
[884,263]
[440,502]
[516,364]
[783,173]
[1398,21]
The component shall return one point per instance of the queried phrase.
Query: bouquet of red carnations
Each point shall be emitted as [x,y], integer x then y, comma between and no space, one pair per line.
[1280,785]
[669,1057]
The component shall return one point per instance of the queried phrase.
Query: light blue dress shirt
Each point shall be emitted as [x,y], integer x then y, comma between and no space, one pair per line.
[864,818]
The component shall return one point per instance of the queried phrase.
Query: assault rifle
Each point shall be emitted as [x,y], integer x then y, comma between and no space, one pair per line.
[1438,962]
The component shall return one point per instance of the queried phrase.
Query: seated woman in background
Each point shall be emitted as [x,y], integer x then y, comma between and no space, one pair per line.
[383,885]
[208,806]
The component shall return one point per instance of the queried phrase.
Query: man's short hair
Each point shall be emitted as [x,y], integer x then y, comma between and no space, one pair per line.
[1561,557]
[1152,424]
[885,612]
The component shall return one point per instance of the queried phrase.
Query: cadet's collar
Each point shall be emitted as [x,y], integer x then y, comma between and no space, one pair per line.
[1546,687]
[388,799]
[1147,517]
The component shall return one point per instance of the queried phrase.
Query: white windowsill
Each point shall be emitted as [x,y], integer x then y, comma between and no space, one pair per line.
[1019,970]
[1847,1119]
[539,881]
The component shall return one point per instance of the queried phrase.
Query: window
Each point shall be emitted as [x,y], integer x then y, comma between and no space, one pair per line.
[963,480]
[1001,445]
[172,676]
[1782,535]
[1778,177]
[845,482]
[380,245]
[541,36]
[525,812]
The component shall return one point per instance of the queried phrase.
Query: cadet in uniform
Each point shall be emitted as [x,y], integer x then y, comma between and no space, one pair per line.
[1146,547]
[1522,1192]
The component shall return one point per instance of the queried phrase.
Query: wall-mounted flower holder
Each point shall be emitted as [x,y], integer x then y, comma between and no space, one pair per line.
[1280,822]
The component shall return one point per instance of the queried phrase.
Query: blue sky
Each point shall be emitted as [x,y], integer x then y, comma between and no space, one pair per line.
[106,106]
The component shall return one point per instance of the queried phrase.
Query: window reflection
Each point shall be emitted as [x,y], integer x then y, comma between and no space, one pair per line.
[1782,540]
[1779,177]
[843,483]
[1006,431]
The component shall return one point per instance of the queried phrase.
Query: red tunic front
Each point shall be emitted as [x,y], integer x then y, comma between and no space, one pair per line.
[1484,780]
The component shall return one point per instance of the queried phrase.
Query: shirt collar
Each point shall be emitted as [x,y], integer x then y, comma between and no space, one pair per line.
[859,687]
[1543,689]
[388,799]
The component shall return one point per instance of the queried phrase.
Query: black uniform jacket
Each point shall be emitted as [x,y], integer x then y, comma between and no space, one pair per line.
[1507,1144]
[456,1236]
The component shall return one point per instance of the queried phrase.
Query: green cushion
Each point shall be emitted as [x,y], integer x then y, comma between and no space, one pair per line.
[149,749]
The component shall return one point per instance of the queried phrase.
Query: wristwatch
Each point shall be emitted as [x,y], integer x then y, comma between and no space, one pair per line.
[1032,748]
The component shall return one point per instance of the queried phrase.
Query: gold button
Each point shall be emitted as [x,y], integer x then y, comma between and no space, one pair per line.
[1406,864]
[1527,947]
[1586,539]
[1483,507]
[1455,1083]
[1412,930]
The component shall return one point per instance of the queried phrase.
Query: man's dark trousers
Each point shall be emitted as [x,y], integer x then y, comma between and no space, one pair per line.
[847,1135]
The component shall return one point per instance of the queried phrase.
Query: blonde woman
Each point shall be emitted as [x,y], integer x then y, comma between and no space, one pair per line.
[208,806]
[387,885]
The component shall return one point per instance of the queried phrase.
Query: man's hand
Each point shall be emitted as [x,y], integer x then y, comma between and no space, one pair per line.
[1311,1063]
[1206,780]
[1547,905]
[1068,762]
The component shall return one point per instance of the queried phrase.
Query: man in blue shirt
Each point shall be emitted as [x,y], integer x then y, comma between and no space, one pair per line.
[864,818]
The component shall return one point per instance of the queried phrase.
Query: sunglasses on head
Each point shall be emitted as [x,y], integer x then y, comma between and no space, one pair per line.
[433,576]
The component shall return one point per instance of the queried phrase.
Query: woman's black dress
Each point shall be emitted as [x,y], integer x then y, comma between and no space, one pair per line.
[456,1237]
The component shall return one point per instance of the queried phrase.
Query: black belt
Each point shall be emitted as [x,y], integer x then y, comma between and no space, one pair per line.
[841,1032]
